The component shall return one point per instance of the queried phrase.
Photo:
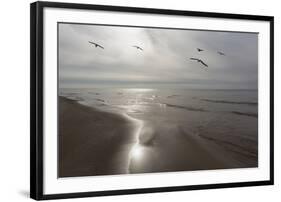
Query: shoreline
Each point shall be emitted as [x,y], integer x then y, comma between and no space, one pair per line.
[94,142]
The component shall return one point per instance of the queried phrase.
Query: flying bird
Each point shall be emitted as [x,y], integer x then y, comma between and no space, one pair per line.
[137,47]
[199,50]
[199,60]
[96,45]
[221,53]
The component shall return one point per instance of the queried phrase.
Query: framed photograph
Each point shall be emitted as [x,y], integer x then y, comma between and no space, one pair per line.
[131,100]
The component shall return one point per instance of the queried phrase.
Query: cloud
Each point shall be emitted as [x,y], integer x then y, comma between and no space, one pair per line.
[164,62]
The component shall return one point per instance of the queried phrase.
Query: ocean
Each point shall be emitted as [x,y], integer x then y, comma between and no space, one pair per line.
[225,121]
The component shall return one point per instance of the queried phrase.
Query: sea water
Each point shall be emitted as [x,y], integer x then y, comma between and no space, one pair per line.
[227,118]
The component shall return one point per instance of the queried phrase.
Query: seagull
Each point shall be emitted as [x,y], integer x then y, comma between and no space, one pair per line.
[221,53]
[199,60]
[137,47]
[96,45]
[199,50]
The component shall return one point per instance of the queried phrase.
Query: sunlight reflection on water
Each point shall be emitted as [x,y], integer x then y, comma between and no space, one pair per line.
[139,90]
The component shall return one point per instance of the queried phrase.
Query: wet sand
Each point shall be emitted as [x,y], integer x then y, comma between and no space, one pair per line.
[93,142]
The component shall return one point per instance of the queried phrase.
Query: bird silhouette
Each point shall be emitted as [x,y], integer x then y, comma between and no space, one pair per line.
[96,45]
[137,47]
[199,50]
[221,53]
[199,60]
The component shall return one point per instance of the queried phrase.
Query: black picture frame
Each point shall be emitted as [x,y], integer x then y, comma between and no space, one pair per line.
[36,98]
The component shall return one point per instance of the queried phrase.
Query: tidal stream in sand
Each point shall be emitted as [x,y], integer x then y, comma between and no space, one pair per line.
[172,124]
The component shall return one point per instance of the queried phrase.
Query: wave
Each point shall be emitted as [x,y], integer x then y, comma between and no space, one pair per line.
[245,114]
[186,108]
[73,98]
[100,100]
[255,115]
[172,96]
[93,93]
[230,102]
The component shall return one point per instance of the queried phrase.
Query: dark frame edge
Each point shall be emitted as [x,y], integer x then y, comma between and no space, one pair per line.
[36,101]
[152,10]
[271,90]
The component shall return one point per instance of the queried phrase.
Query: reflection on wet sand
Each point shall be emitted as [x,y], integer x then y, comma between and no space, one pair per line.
[145,131]
[183,150]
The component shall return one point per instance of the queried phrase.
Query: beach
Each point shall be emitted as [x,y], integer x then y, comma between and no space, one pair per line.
[93,141]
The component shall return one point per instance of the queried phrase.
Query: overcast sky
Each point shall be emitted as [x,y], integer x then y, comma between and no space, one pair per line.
[163,63]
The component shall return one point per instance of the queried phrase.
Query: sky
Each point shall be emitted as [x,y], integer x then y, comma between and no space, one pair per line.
[163,63]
